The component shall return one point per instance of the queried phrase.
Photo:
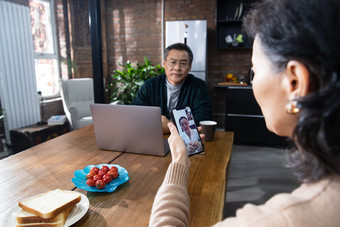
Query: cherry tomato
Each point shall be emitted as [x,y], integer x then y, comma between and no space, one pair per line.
[100,184]
[94,170]
[107,178]
[114,174]
[105,169]
[91,182]
[114,168]
[90,175]
[101,172]
[97,177]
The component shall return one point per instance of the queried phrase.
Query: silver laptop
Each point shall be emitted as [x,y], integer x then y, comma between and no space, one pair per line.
[127,128]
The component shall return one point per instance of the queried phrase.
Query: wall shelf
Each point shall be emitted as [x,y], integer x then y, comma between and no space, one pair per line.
[229,22]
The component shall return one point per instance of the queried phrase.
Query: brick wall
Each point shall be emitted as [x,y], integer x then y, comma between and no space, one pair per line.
[133,30]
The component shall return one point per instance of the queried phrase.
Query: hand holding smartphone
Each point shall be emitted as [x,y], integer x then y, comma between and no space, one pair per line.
[185,124]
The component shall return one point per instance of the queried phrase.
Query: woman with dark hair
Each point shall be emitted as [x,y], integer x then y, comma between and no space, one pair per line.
[189,136]
[296,61]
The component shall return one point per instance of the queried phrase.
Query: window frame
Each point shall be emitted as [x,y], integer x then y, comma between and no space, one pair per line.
[55,53]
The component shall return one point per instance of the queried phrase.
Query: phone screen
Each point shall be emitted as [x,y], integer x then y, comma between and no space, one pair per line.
[184,121]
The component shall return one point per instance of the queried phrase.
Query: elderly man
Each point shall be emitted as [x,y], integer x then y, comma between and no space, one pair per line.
[176,87]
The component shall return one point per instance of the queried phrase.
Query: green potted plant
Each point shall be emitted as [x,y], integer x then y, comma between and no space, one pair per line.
[126,82]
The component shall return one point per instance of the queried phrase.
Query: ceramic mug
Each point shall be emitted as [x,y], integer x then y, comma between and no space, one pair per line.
[208,129]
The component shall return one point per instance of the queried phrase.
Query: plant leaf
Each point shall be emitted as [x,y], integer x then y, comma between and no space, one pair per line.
[126,82]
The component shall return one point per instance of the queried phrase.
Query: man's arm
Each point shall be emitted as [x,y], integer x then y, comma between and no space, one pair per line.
[195,93]
[143,96]
[201,106]
[165,122]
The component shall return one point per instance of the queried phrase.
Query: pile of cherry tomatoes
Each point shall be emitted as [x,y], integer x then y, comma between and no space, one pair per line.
[100,177]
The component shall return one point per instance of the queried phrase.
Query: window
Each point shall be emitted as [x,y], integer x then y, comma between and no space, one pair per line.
[45,47]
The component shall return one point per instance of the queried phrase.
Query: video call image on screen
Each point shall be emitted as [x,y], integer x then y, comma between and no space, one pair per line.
[187,129]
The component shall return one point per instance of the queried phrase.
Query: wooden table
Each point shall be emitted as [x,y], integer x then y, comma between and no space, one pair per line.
[51,165]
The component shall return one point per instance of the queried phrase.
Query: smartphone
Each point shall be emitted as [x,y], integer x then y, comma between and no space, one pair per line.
[184,121]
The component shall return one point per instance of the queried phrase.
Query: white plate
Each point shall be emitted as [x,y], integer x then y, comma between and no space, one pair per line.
[236,14]
[240,11]
[76,214]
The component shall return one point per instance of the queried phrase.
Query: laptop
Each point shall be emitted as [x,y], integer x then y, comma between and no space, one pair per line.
[128,128]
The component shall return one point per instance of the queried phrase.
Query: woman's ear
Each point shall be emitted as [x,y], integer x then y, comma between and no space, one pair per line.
[298,79]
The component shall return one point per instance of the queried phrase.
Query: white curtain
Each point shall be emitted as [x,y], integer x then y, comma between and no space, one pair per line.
[18,89]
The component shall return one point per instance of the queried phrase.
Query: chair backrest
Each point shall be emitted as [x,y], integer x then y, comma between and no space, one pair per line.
[78,94]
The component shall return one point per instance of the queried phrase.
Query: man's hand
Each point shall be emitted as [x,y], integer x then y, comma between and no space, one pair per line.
[199,128]
[165,122]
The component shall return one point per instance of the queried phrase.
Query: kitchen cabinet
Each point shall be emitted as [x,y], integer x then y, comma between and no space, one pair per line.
[229,23]
[245,119]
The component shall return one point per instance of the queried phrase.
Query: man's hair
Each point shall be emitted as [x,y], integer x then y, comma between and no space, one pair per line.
[306,31]
[179,46]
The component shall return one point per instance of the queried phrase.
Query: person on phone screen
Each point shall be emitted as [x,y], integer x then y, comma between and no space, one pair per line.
[296,63]
[176,87]
[189,136]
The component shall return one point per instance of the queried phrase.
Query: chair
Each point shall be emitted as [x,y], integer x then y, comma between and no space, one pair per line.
[77,95]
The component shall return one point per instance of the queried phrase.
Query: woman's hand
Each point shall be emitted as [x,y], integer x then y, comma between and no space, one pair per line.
[177,147]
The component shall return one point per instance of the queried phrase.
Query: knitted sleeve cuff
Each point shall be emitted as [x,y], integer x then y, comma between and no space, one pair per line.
[177,174]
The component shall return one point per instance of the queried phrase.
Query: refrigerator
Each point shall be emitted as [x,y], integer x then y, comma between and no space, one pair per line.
[194,34]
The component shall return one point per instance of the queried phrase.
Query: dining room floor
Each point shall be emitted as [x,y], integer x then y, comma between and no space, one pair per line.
[255,175]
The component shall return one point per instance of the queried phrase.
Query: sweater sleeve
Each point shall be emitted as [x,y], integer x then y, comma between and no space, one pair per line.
[171,204]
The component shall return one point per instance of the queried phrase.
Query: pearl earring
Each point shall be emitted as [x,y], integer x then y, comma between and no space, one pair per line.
[291,107]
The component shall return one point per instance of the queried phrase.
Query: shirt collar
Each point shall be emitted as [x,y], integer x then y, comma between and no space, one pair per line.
[173,87]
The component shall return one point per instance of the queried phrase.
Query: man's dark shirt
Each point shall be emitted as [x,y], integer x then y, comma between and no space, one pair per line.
[194,93]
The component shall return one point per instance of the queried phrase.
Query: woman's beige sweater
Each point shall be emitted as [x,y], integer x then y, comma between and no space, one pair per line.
[316,204]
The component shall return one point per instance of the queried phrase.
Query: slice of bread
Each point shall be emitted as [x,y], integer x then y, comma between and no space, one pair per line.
[24,217]
[42,224]
[50,204]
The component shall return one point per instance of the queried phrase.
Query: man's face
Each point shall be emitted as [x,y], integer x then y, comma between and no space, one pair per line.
[177,66]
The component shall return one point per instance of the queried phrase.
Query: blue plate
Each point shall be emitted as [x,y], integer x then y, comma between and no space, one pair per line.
[80,179]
